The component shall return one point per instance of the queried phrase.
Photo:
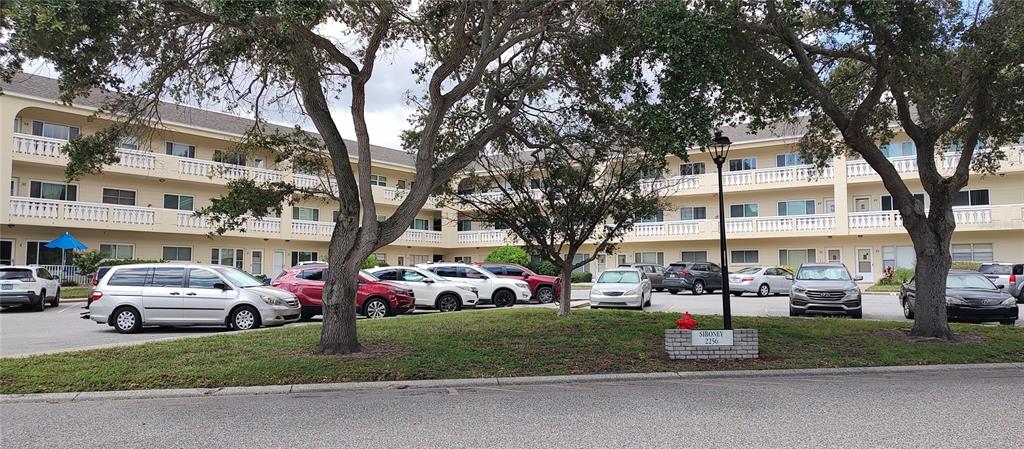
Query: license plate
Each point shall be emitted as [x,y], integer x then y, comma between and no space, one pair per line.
[6,286]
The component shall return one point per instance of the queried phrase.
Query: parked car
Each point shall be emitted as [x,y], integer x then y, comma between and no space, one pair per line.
[697,277]
[655,272]
[431,290]
[96,276]
[763,281]
[28,285]
[970,296]
[621,287]
[543,289]
[825,287]
[491,289]
[1002,273]
[131,296]
[374,298]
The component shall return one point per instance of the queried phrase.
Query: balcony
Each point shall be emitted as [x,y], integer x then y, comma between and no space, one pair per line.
[666,229]
[772,225]
[777,175]
[36,208]
[50,148]
[228,172]
[672,185]
[991,217]
[489,236]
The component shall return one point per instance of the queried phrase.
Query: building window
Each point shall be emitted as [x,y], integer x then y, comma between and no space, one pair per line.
[381,257]
[229,157]
[182,253]
[652,173]
[795,257]
[585,268]
[38,253]
[800,207]
[465,225]
[650,257]
[898,149]
[898,256]
[971,198]
[421,224]
[181,150]
[747,163]
[463,259]
[54,130]
[179,202]
[693,213]
[378,180]
[622,259]
[128,143]
[257,261]
[117,250]
[887,203]
[656,217]
[53,191]
[420,258]
[693,168]
[305,213]
[231,257]
[694,256]
[972,252]
[744,256]
[119,197]
[743,210]
[788,159]
[14,186]
[6,252]
[304,256]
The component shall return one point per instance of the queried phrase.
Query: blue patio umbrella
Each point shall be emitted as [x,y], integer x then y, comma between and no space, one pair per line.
[66,242]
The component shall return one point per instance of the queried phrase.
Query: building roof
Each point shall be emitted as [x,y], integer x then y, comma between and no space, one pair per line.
[46,88]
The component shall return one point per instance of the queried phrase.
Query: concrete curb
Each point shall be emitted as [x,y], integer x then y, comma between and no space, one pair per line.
[479,382]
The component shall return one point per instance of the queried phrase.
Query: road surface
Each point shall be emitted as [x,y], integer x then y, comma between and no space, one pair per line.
[963,408]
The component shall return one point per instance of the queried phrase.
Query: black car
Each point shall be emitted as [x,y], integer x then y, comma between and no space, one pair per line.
[970,296]
[697,277]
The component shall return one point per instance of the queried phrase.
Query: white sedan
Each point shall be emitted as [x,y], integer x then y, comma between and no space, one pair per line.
[763,281]
[432,291]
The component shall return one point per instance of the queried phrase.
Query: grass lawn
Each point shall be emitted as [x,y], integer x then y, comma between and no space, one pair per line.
[878,288]
[73,292]
[487,343]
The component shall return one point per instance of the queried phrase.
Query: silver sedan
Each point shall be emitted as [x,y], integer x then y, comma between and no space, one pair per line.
[761,280]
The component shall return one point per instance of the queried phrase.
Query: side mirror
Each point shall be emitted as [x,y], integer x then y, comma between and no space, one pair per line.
[220,285]
[428,281]
[858,278]
[789,277]
[1000,286]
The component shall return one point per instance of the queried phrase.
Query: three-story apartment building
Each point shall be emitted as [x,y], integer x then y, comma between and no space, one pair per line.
[778,209]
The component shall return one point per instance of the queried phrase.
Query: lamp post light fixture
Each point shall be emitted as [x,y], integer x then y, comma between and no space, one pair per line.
[719,150]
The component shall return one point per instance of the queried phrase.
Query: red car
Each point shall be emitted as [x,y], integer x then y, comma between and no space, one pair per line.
[545,289]
[374,298]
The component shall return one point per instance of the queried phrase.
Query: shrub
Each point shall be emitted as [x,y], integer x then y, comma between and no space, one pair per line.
[68,283]
[960,265]
[544,267]
[373,262]
[509,254]
[582,277]
[86,262]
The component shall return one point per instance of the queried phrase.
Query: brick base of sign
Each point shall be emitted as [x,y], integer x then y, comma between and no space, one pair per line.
[679,346]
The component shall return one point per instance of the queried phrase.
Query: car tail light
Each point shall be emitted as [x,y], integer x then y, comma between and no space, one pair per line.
[96,295]
[1013,279]
[685,272]
[747,279]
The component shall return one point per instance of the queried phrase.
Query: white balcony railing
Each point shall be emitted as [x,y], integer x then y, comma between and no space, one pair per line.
[308,227]
[49,147]
[266,225]
[860,167]
[776,175]
[421,236]
[675,183]
[891,219]
[230,172]
[791,223]
[486,236]
[81,211]
[666,229]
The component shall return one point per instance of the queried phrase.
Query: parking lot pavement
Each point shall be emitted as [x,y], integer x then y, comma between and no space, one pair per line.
[955,408]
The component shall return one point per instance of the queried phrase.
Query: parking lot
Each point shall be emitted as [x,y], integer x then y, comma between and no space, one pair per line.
[58,329]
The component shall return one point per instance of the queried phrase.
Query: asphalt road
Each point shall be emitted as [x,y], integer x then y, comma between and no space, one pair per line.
[964,408]
[56,329]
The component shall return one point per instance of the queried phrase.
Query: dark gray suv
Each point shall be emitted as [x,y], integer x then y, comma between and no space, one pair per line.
[825,287]
[697,277]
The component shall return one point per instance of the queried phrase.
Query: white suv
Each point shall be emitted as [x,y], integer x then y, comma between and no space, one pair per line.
[28,285]
[492,289]
[432,291]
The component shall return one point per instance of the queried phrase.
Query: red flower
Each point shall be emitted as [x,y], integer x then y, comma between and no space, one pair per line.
[686,321]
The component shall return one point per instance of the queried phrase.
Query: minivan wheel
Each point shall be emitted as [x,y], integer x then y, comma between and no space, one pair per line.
[245,318]
[447,303]
[375,308]
[127,320]
[545,295]
[763,290]
[698,288]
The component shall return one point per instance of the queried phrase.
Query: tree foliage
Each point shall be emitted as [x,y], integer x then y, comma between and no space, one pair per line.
[509,254]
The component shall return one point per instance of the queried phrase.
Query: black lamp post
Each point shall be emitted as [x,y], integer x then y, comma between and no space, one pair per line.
[719,150]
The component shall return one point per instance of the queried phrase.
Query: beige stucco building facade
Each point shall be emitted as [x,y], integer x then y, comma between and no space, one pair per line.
[778,210]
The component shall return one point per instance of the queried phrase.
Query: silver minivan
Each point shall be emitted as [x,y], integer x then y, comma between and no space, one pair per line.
[184,294]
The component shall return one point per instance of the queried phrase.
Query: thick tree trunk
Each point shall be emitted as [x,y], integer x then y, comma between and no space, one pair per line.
[564,299]
[931,239]
[338,335]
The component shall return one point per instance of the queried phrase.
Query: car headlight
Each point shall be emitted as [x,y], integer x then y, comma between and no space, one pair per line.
[470,289]
[595,291]
[955,300]
[1009,301]
[852,291]
[272,300]
[631,291]
[523,285]
[796,289]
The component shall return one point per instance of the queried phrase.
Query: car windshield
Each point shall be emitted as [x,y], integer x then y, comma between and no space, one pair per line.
[369,276]
[239,278]
[823,274]
[967,280]
[619,277]
[995,269]
[16,273]
[749,270]
[429,275]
